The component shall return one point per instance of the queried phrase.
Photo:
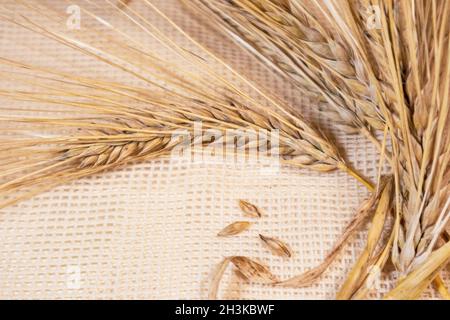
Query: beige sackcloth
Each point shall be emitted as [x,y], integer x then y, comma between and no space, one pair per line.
[148,230]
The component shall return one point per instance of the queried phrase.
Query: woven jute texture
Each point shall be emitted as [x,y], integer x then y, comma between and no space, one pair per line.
[148,230]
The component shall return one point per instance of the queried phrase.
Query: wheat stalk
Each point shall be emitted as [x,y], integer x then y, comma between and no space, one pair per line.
[361,267]
[412,286]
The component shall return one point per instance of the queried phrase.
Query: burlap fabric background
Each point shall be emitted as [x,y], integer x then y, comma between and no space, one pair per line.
[148,230]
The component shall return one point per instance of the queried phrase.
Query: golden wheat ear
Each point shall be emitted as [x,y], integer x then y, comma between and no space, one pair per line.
[173,98]
[297,44]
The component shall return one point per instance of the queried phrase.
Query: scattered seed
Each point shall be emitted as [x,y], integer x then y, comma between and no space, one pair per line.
[249,209]
[234,228]
[276,246]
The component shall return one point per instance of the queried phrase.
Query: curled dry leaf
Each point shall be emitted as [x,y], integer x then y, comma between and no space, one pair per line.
[234,228]
[310,276]
[276,246]
[252,270]
[247,268]
[249,209]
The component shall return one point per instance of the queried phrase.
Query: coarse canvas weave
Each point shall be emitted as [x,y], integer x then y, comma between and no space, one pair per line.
[148,230]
